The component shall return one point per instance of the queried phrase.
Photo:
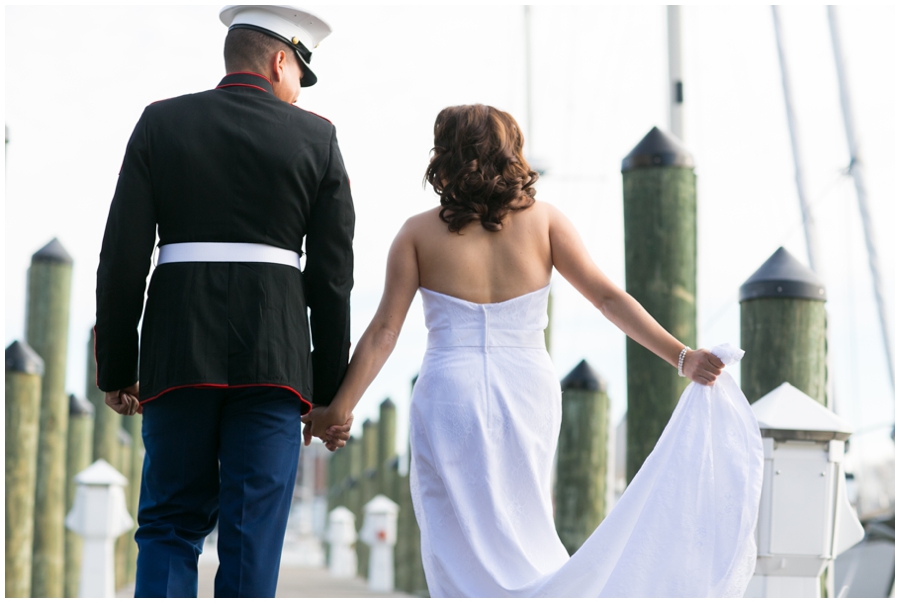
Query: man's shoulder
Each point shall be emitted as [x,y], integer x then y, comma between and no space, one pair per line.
[312,121]
[177,103]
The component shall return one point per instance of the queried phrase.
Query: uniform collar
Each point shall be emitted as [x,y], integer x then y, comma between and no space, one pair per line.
[246,79]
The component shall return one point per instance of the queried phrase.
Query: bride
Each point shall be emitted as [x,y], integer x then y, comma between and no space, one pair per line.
[485,411]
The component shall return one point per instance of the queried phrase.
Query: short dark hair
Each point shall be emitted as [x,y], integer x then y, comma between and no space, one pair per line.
[478,168]
[250,50]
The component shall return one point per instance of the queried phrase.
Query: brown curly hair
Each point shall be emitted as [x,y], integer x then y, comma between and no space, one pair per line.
[477,167]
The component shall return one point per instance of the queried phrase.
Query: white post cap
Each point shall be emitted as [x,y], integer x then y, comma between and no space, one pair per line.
[101,473]
[789,413]
[381,504]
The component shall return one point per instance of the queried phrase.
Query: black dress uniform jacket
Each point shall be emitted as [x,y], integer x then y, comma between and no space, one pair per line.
[233,164]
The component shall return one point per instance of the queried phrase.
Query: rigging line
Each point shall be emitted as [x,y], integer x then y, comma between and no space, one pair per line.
[854,364]
[791,230]
[818,200]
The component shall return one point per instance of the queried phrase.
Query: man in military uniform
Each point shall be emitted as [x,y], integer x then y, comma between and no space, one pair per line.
[233,179]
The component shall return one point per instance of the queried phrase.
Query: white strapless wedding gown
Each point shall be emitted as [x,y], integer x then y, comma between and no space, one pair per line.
[484,422]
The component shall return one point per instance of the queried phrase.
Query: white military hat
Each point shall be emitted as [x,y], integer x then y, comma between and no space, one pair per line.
[296,27]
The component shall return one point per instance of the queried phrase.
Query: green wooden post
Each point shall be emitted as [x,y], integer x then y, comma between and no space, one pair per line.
[582,456]
[368,487]
[49,289]
[78,458]
[125,450]
[336,478]
[24,369]
[343,482]
[392,483]
[660,198]
[783,329]
[132,424]
[387,444]
[107,422]
[354,477]
[411,571]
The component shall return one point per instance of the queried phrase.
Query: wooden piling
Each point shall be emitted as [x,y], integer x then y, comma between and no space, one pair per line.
[352,499]
[107,422]
[78,457]
[368,487]
[660,203]
[125,450]
[335,478]
[24,369]
[582,456]
[387,444]
[49,290]
[132,424]
[783,329]
[408,570]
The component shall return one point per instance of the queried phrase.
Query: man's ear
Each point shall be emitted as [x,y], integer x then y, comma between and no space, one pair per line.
[279,62]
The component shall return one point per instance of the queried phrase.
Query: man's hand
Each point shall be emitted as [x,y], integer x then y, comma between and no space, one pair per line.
[325,423]
[124,401]
[702,367]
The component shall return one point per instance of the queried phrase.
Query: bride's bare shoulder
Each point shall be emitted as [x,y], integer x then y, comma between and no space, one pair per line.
[425,222]
[421,225]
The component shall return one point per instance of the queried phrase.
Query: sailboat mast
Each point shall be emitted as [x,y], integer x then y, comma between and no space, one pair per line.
[856,170]
[529,131]
[812,240]
[676,83]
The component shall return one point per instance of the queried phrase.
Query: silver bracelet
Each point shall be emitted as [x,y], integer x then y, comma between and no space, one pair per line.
[681,361]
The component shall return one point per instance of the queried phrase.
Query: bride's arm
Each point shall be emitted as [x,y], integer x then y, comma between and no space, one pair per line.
[379,339]
[571,259]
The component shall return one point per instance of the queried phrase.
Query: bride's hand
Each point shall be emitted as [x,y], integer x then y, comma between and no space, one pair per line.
[702,367]
[327,424]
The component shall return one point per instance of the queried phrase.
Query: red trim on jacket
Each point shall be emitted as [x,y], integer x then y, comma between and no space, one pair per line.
[224,386]
[241,85]
[316,114]
[249,73]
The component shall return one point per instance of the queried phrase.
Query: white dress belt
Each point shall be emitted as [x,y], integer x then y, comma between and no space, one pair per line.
[227,252]
[480,338]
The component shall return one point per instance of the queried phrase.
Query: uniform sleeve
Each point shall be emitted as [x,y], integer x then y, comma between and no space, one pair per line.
[124,264]
[329,277]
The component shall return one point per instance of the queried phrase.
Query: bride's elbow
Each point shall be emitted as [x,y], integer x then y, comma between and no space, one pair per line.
[385,338]
[608,303]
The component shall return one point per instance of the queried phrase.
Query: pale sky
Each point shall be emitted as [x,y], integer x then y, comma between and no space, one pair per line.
[77,79]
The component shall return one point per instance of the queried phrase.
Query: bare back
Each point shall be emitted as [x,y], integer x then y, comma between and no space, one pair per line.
[479,265]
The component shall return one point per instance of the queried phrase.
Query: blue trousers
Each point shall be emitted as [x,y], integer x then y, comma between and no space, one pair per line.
[226,455]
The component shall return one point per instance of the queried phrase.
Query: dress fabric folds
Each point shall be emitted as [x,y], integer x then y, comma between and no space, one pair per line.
[484,422]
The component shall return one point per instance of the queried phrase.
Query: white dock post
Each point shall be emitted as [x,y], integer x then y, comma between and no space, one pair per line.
[99,516]
[379,531]
[805,517]
[341,538]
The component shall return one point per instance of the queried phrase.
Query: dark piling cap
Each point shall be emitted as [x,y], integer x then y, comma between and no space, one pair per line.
[368,424]
[52,252]
[79,407]
[388,403]
[124,438]
[585,378]
[658,149]
[22,359]
[782,275]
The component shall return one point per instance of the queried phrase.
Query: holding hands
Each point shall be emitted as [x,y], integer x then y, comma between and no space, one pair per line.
[328,424]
